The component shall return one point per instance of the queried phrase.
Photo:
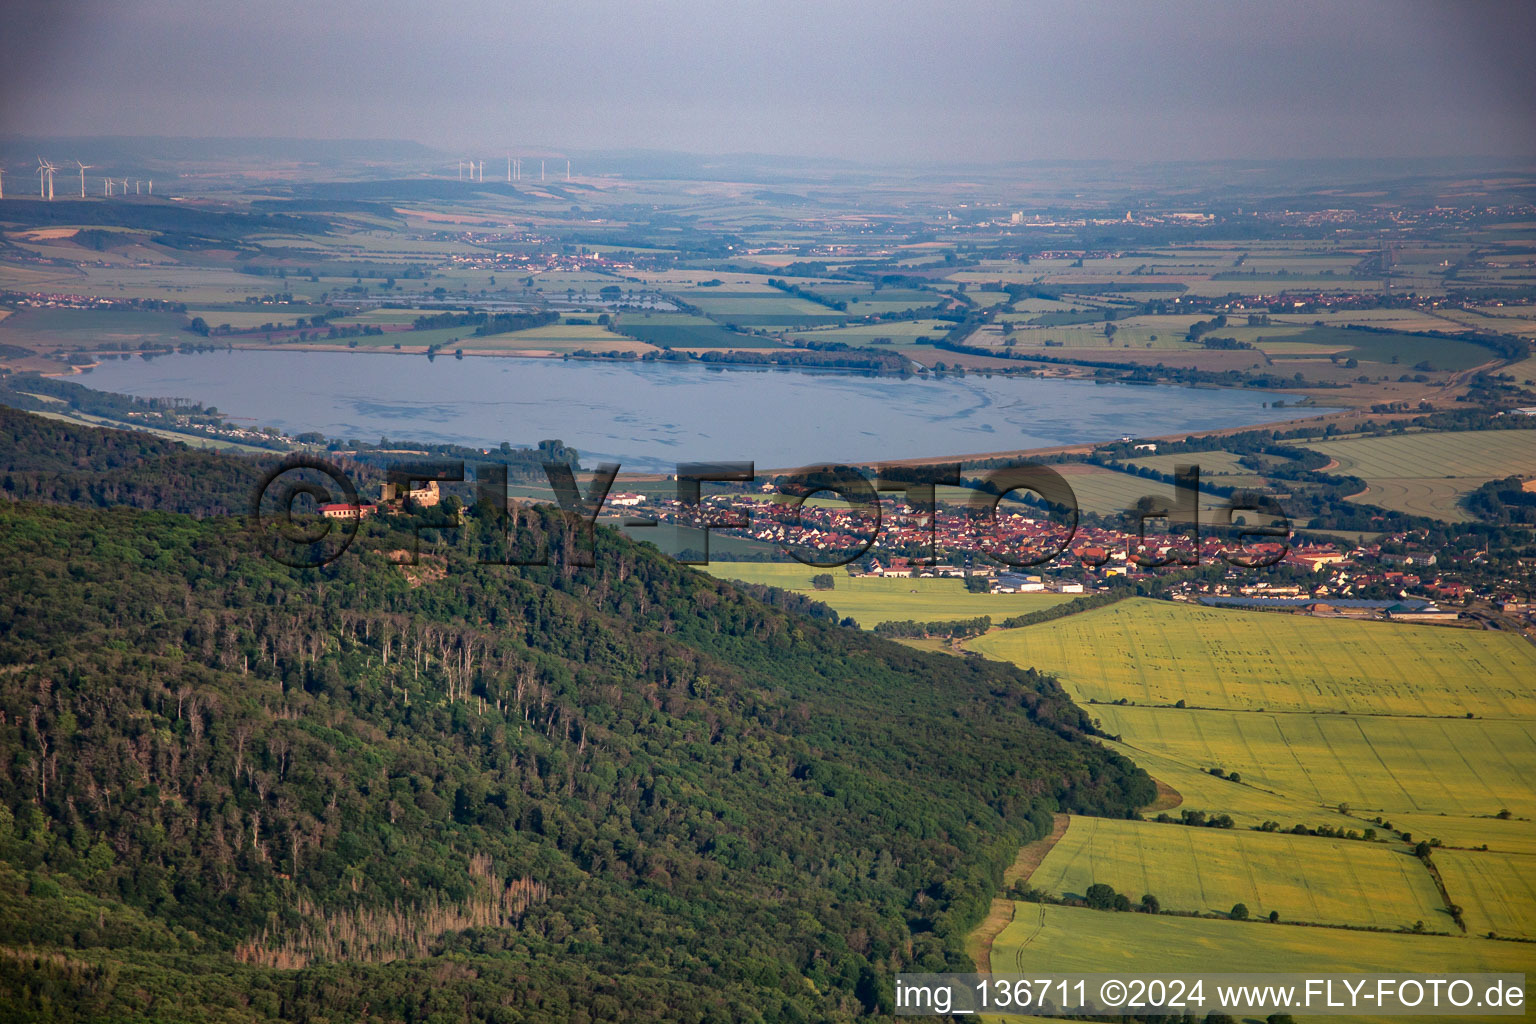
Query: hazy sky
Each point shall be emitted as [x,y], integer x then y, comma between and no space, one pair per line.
[868,79]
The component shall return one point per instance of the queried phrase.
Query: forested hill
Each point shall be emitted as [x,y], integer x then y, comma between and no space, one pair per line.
[56,461]
[237,791]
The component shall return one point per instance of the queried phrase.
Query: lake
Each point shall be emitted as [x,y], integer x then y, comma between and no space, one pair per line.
[649,416]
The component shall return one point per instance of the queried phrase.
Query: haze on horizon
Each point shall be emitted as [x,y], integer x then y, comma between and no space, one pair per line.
[862,80]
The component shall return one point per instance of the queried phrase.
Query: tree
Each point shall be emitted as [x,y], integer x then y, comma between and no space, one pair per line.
[1239,912]
[823,581]
[1151,904]
[1274,917]
[1100,896]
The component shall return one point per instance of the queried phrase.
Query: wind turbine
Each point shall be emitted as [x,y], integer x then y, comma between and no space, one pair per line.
[83,169]
[45,171]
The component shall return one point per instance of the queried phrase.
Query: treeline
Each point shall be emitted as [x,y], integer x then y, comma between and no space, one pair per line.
[1087,602]
[806,293]
[522,464]
[1506,502]
[827,355]
[485,323]
[954,629]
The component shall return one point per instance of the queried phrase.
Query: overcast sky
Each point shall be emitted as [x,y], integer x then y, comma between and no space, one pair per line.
[870,79]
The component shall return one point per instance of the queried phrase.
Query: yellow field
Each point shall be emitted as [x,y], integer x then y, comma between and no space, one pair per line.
[1315,715]
[1207,870]
[1159,652]
[1515,835]
[559,338]
[873,600]
[1373,763]
[1043,939]
[1496,891]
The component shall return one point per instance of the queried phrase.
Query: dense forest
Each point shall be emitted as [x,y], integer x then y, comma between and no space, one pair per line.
[460,790]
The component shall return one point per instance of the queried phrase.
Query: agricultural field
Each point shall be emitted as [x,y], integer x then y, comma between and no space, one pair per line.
[1221,468]
[1458,831]
[1248,805]
[91,328]
[556,339]
[873,600]
[1159,652]
[685,331]
[1496,891]
[1107,492]
[903,334]
[1405,351]
[1393,466]
[1373,763]
[1052,939]
[1207,871]
[1324,722]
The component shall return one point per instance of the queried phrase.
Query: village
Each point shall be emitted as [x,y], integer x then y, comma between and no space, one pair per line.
[1373,580]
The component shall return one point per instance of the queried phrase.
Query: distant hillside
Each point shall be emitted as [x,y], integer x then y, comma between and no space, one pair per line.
[459,791]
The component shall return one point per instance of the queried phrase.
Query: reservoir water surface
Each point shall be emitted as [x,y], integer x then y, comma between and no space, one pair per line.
[649,416]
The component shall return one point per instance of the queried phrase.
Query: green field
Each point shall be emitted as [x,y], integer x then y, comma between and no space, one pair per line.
[1406,351]
[1426,473]
[682,330]
[1373,763]
[872,600]
[1159,652]
[1050,939]
[1497,891]
[1303,878]
[87,328]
